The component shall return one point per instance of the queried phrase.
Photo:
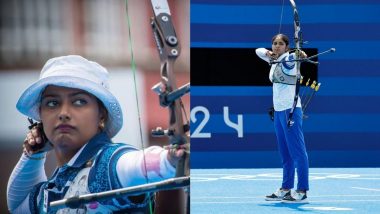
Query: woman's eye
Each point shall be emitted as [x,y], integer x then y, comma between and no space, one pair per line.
[80,102]
[51,103]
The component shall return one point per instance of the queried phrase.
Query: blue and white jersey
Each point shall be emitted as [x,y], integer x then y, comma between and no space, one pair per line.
[283,94]
[98,166]
[94,170]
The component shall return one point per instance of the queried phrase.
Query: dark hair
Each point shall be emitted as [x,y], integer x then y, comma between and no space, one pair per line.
[102,110]
[284,37]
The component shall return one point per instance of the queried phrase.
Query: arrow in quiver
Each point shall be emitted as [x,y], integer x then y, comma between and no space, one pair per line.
[305,89]
[307,95]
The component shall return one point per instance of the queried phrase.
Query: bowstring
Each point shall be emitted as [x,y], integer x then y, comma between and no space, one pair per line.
[279,31]
[133,66]
[282,13]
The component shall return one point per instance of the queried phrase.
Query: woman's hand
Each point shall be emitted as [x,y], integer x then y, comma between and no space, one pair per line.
[176,152]
[303,54]
[271,55]
[33,142]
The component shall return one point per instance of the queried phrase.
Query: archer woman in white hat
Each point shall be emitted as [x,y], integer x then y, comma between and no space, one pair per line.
[290,140]
[80,116]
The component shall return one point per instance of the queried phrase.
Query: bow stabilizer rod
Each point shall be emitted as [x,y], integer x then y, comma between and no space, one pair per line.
[308,59]
[76,201]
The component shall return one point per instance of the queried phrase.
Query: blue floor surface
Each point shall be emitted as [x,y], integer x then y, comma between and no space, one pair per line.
[332,190]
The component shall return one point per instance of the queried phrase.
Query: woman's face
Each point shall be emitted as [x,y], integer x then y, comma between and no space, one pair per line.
[70,117]
[279,46]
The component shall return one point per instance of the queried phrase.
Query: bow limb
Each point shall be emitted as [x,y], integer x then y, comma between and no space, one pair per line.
[298,45]
[297,27]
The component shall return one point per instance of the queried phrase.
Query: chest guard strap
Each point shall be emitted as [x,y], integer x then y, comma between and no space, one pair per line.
[279,76]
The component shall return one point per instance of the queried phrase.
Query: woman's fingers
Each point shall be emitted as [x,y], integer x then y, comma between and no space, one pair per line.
[177,151]
[27,147]
[36,135]
[30,138]
[303,54]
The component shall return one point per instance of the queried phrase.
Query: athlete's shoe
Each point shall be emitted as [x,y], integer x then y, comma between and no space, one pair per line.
[278,195]
[296,198]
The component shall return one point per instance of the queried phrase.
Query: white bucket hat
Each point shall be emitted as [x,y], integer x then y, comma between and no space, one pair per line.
[73,72]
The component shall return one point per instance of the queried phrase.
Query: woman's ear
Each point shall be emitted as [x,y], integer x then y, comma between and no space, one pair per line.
[103,114]
[102,118]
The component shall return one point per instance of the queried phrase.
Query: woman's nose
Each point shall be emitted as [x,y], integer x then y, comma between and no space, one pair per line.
[64,113]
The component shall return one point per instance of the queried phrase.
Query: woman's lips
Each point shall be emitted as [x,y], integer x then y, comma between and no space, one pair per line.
[64,128]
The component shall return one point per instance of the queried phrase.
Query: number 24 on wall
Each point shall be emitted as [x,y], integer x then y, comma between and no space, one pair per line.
[197,133]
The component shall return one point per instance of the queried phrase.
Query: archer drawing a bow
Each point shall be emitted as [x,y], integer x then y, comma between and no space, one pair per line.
[299,42]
